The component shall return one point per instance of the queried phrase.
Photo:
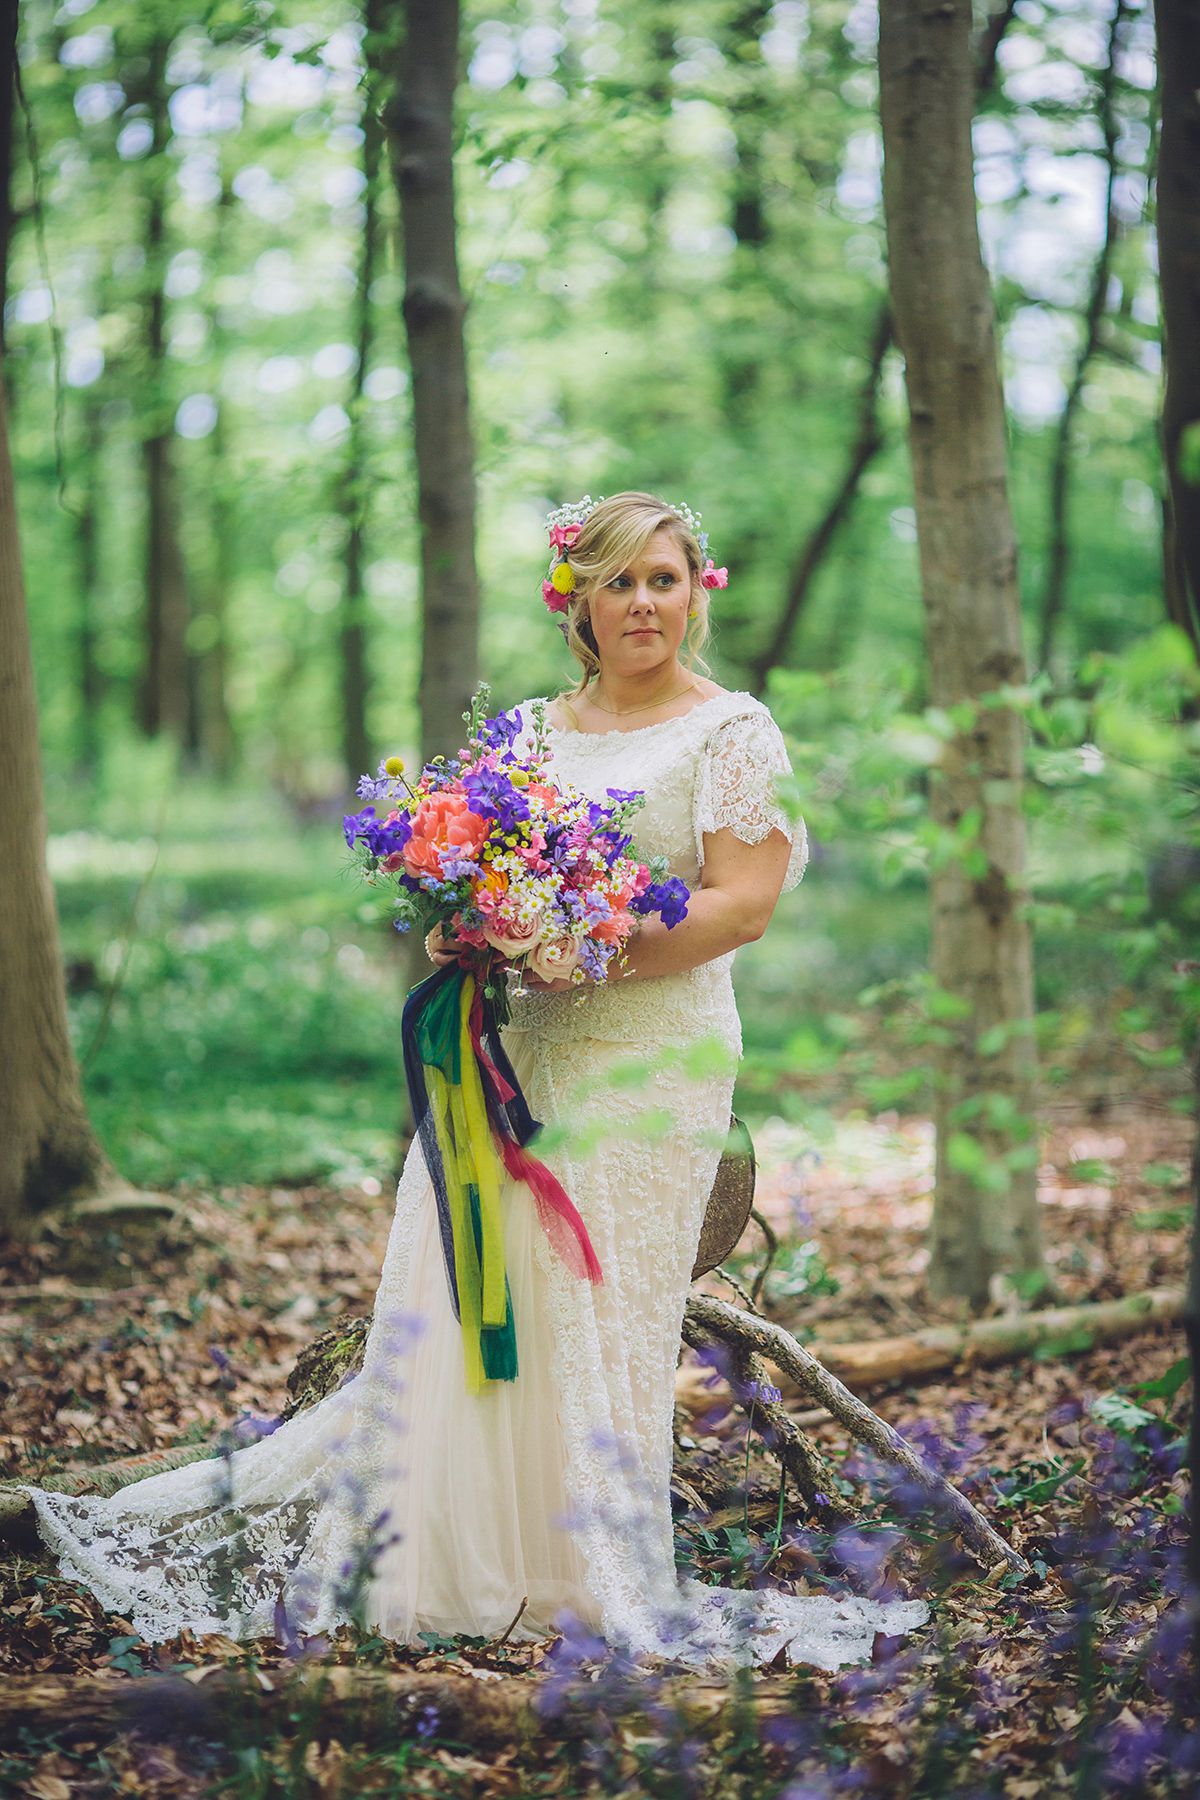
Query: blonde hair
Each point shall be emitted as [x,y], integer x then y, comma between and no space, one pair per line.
[612,537]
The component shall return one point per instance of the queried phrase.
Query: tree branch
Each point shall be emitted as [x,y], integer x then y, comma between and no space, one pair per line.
[742,1331]
[1054,595]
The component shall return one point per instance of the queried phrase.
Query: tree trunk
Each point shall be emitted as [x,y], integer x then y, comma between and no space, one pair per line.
[985,1211]
[165,702]
[87,527]
[1058,557]
[1178,216]
[47,1147]
[356,740]
[217,726]
[420,124]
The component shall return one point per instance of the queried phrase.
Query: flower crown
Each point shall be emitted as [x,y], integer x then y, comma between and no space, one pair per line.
[568,521]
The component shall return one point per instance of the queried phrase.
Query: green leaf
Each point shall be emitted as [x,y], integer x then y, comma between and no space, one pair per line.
[1121,1415]
[1168,1385]
[1163,1218]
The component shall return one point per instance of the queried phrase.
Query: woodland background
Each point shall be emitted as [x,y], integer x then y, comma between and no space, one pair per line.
[671,243]
[670,235]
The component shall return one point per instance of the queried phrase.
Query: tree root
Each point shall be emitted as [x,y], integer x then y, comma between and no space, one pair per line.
[742,1331]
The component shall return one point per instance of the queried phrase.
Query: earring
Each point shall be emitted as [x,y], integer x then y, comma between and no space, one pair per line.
[692,613]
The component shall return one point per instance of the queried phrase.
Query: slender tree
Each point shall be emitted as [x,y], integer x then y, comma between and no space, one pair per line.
[47,1147]
[985,1211]
[353,485]
[166,678]
[87,546]
[869,436]
[1058,559]
[419,120]
[1177,207]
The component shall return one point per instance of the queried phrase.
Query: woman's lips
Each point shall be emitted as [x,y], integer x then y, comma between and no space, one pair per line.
[643,631]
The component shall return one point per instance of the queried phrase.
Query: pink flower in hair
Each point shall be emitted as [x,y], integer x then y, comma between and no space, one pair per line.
[563,536]
[554,600]
[713,578]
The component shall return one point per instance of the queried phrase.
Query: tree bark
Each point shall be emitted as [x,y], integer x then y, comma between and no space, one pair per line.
[419,120]
[165,700]
[1177,206]
[47,1147]
[985,1210]
[1059,552]
[357,756]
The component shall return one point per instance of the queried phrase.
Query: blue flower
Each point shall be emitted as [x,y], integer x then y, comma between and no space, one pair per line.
[623,798]
[667,898]
[492,795]
[500,732]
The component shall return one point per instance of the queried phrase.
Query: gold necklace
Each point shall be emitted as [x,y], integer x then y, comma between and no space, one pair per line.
[649,707]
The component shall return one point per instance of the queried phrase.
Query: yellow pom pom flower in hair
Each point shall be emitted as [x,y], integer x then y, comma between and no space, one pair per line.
[563,579]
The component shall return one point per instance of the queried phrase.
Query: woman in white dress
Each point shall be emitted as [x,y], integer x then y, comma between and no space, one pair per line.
[406,1502]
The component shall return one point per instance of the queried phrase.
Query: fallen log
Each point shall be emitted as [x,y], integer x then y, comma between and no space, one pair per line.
[1061,1331]
[748,1331]
[101,1478]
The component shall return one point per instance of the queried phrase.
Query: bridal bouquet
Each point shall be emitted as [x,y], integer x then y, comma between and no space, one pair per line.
[524,875]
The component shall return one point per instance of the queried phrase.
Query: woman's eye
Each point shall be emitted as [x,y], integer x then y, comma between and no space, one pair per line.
[665,581]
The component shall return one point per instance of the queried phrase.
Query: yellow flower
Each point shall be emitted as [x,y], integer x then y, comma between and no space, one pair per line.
[563,579]
[519,777]
[394,765]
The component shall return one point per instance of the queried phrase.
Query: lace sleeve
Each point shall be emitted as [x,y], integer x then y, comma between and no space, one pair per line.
[735,788]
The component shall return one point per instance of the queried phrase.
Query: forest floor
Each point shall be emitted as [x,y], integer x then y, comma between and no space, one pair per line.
[1068,1682]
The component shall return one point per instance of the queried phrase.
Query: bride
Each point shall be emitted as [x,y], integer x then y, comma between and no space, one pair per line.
[402,1500]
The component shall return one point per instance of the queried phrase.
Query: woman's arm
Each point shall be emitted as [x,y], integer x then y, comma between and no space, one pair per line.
[740,886]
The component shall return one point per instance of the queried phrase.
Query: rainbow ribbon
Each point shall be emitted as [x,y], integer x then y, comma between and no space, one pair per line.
[474,1126]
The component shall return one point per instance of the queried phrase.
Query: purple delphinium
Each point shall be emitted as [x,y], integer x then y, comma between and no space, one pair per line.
[492,796]
[501,732]
[667,898]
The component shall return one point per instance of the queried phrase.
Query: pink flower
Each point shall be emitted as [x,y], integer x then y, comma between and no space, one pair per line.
[513,937]
[554,600]
[641,880]
[713,578]
[563,536]
[554,958]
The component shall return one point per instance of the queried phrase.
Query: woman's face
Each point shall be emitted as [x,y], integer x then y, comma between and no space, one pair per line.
[640,617]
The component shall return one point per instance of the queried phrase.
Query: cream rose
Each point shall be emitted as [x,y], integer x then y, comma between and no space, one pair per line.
[554,959]
[512,937]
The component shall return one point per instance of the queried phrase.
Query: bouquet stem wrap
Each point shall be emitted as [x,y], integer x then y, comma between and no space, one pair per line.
[474,1125]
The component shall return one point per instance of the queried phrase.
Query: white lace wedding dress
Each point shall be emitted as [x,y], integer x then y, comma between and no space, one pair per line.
[444,1512]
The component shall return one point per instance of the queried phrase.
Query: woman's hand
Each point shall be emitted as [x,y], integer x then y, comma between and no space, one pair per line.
[440,949]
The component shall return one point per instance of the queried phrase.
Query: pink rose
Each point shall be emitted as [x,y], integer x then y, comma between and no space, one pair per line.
[554,958]
[554,600]
[513,937]
[563,536]
[713,578]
